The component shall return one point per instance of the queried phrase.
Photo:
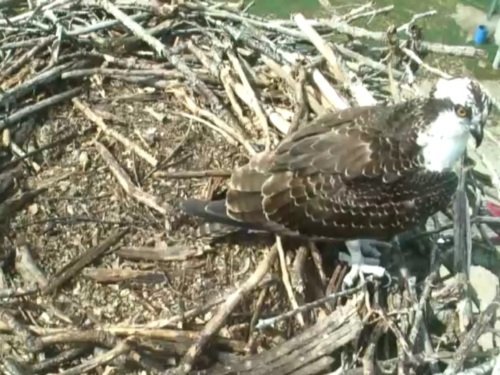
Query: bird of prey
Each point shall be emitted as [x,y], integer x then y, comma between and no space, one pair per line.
[365,173]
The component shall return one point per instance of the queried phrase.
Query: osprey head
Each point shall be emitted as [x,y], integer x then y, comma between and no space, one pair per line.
[470,103]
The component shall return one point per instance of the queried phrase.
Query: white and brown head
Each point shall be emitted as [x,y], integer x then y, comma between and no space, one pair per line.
[471,103]
[465,109]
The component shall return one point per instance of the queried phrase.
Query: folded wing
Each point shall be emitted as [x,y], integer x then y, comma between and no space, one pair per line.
[342,176]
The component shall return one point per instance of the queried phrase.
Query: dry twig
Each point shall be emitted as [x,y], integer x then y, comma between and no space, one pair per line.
[125,181]
[77,264]
[224,310]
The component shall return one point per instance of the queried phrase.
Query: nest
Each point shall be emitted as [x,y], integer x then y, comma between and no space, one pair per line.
[112,113]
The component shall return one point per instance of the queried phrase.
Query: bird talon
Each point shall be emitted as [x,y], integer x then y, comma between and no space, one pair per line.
[357,173]
[362,265]
[358,271]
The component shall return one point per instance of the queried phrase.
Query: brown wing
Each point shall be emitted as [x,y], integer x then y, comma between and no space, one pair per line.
[342,176]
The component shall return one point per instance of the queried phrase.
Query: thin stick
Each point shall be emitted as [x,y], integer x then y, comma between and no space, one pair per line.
[9,207]
[337,101]
[227,82]
[412,55]
[26,57]
[28,15]
[161,323]
[48,146]
[92,116]
[164,73]
[159,47]
[99,360]
[28,268]
[471,339]
[371,349]
[415,18]
[404,346]
[221,125]
[254,102]
[392,84]
[318,262]
[283,73]
[37,107]
[352,13]
[106,24]
[358,91]
[194,174]
[15,325]
[126,183]
[59,359]
[256,313]
[263,323]
[338,25]
[19,152]
[277,120]
[18,292]
[27,86]
[322,47]
[286,281]
[106,336]
[371,13]
[78,263]
[366,60]
[300,99]
[419,316]
[214,325]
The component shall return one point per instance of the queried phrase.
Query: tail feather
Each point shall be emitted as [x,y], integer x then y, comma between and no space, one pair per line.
[209,210]
[213,212]
[219,222]
[215,230]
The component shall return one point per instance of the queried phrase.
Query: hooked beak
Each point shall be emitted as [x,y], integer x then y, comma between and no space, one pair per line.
[477,133]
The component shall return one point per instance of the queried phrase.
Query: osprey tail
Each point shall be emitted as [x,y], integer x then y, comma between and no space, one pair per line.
[208,210]
[218,223]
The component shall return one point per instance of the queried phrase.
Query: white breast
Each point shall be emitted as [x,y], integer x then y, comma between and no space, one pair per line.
[444,142]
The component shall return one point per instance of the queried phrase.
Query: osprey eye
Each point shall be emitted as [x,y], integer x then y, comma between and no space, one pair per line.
[461,111]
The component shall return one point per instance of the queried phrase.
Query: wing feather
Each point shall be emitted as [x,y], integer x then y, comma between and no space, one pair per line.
[350,174]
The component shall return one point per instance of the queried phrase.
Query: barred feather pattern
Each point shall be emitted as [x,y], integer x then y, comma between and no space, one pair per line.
[356,173]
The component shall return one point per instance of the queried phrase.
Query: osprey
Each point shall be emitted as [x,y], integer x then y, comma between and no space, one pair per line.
[365,173]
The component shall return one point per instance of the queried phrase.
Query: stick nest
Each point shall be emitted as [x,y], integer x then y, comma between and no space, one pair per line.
[112,113]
